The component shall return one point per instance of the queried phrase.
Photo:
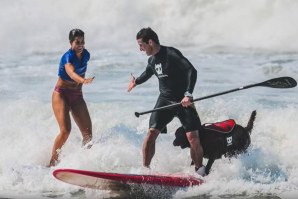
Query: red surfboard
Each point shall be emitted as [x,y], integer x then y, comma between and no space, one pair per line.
[101,180]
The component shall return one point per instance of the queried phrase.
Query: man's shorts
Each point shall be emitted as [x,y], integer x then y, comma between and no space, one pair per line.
[188,117]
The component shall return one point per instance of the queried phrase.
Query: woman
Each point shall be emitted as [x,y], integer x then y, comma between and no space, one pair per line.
[67,96]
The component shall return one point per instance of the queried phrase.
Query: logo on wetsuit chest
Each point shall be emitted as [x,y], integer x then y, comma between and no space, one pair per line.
[158,69]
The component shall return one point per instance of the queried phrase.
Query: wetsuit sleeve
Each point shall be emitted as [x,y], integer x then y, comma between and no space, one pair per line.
[188,69]
[191,76]
[145,75]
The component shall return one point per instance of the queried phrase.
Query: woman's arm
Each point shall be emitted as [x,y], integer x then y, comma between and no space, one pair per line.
[70,70]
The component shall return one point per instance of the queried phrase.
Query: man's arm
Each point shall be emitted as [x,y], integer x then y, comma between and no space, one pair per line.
[189,71]
[190,76]
[141,79]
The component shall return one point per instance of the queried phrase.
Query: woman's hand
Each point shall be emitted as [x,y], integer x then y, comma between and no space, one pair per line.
[88,80]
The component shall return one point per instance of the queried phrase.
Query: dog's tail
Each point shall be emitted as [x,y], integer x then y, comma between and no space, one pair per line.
[250,123]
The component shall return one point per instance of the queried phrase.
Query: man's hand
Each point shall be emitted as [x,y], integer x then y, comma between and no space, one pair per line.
[132,83]
[186,101]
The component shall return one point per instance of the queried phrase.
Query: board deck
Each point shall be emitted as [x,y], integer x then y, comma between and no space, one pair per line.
[99,180]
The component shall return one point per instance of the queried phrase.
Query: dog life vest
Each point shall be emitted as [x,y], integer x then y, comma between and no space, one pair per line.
[223,127]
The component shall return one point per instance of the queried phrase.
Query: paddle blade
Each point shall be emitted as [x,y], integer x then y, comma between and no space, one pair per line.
[280,82]
[137,114]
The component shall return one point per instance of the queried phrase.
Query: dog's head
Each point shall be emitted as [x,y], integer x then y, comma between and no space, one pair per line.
[181,139]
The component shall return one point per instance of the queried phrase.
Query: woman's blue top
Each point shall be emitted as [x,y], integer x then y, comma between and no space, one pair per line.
[79,65]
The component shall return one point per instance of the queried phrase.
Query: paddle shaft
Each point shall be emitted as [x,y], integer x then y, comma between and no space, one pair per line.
[194,100]
[281,82]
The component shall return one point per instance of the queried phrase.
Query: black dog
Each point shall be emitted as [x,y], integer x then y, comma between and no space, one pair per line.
[223,138]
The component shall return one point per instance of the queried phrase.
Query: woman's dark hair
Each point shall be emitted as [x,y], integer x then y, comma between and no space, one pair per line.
[75,33]
[146,34]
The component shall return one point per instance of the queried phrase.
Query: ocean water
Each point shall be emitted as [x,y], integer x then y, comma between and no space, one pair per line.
[230,43]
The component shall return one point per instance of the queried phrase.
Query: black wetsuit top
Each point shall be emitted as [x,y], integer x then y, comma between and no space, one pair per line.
[175,73]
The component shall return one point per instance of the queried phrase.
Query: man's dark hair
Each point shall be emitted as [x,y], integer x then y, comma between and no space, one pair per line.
[75,33]
[146,34]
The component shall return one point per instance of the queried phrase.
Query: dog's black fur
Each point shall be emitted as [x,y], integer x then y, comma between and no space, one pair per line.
[215,143]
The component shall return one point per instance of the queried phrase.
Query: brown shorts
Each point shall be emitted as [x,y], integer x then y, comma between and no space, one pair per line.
[71,96]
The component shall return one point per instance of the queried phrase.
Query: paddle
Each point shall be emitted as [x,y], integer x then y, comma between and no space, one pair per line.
[280,82]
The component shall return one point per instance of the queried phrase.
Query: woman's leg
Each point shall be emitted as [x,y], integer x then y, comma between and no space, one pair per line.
[82,118]
[61,111]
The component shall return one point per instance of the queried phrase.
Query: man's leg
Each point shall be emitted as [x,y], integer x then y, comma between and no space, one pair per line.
[149,146]
[196,150]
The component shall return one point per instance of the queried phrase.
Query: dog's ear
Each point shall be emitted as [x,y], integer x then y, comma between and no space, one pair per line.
[176,142]
[181,139]
[180,132]
[178,136]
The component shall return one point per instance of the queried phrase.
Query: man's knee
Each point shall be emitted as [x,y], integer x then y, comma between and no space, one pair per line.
[193,137]
[152,135]
[65,132]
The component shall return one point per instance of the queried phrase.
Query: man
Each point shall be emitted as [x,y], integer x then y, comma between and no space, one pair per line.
[177,78]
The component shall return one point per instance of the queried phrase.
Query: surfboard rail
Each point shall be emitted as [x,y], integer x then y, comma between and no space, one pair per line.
[94,179]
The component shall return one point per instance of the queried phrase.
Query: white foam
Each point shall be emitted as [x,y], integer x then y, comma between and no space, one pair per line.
[34,26]
[28,127]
